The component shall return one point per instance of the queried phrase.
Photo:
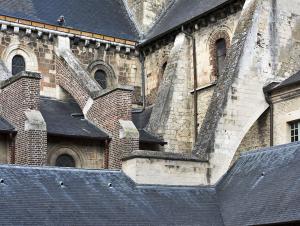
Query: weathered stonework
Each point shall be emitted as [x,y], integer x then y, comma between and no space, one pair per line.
[146,12]
[86,153]
[172,110]
[162,168]
[252,56]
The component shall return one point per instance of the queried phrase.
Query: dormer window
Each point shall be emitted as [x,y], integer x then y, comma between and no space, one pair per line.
[18,64]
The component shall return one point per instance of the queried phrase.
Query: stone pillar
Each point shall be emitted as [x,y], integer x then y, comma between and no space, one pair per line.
[19,100]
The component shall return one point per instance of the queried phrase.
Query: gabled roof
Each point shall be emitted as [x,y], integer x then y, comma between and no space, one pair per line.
[180,12]
[107,17]
[65,118]
[262,187]
[36,196]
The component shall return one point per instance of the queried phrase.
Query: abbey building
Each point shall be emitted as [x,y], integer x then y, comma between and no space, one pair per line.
[163,99]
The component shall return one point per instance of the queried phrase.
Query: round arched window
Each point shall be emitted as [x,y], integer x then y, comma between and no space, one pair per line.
[65,161]
[18,64]
[101,78]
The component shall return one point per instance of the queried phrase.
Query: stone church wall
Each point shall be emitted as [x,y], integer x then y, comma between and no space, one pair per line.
[87,154]
[40,57]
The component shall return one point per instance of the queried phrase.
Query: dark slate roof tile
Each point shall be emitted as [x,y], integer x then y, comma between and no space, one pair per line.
[60,122]
[262,187]
[34,196]
[108,17]
[181,12]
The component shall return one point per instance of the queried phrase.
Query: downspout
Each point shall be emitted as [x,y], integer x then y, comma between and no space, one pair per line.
[269,101]
[195,83]
[142,60]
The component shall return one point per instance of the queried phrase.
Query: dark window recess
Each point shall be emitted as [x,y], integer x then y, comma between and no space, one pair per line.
[18,64]
[65,161]
[101,78]
[294,131]
[221,55]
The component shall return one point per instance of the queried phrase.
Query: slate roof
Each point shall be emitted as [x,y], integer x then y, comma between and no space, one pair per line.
[34,196]
[107,17]
[262,187]
[140,120]
[180,12]
[6,127]
[60,122]
[293,80]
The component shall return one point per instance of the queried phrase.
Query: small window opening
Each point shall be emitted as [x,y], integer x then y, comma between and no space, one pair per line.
[65,161]
[221,55]
[18,64]
[294,131]
[101,78]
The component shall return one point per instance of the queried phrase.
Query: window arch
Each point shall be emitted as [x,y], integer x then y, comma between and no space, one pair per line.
[65,160]
[18,64]
[101,78]
[221,52]
[218,44]
[103,73]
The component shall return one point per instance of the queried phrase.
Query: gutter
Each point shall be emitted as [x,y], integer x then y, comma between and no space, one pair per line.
[195,82]
[60,33]
[142,60]
[267,91]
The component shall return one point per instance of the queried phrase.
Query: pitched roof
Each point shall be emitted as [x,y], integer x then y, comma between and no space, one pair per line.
[6,127]
[262,187]
[140,120]
[293,80]
[106,17]
[181,12]
[65,118]
[35,196]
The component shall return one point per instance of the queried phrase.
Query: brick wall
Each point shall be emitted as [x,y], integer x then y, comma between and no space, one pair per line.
[19,94]
[105,112]
[68,81]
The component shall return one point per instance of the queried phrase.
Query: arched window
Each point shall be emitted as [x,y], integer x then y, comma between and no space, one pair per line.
[101,78]
[221,55]
[65,161]
[18,64]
